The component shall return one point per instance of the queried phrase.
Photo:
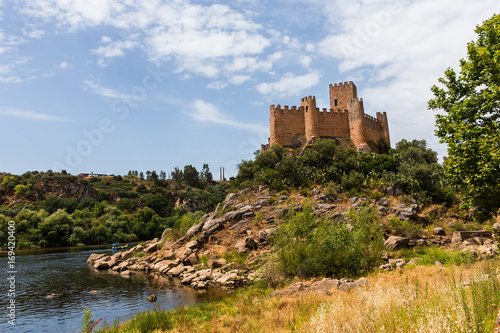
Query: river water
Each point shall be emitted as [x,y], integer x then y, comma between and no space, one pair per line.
[65,273]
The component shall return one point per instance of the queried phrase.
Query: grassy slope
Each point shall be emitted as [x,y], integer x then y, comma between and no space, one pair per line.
[415,299]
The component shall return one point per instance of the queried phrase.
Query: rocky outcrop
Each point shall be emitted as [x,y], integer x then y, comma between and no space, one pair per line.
[246,226]
[324,287]
[396,243]
[463,235]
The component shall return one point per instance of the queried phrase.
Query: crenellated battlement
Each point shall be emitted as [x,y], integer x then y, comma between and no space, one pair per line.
[343,84]
[344,119]
[372,122]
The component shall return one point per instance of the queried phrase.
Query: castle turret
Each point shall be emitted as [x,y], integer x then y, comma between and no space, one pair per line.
[341,93]
[273,137]
[357,126]
[311,117]
[382,119]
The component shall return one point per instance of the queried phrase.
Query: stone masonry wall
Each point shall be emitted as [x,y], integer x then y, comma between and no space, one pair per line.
[285,123]
[344,119]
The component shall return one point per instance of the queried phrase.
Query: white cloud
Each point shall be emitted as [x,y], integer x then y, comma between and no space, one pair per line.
[112,50]
[305,61]
[206,112]
[64,65]
[97,89]
[218,85]
[74,14]
[401,50]
[289,84]
[204,44]
[9,71]
[200,39]
[239,79]
[32,115]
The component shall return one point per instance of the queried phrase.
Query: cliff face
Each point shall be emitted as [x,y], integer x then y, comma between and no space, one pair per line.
[38,190]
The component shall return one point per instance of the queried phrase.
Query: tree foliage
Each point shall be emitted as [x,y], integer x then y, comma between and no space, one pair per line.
[470,122]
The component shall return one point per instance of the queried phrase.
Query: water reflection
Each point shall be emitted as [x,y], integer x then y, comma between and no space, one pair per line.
[64,272]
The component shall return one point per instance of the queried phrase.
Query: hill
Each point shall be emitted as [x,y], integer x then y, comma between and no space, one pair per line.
[57,209]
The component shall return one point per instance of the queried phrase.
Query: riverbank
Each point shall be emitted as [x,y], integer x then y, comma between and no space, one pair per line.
[429,266]
[63,275]
[411,299]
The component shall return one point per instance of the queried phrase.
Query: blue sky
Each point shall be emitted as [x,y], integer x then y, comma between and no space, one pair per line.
[109,86]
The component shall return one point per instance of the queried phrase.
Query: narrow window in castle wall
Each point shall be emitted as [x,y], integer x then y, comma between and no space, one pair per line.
[336,102]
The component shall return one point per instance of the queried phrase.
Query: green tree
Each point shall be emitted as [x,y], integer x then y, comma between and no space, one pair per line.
[205,174]
[191,176]
[470,123]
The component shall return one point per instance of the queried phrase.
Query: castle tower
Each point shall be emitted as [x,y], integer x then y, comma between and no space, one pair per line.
[308,104]
[273,139]
[341,93]
[382,119]
[357,125]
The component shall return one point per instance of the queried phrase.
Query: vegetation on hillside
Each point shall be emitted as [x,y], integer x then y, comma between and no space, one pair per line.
[57,209]
[308,246]
[411,167]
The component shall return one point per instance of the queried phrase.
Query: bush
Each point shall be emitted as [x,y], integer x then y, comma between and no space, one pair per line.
[308,246]
[429,255]
[404,228]
[353,181]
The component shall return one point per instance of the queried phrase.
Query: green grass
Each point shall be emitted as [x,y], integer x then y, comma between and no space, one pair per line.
[429,255]
[187,319]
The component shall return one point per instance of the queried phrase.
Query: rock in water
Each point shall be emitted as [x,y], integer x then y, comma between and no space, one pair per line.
[151,298]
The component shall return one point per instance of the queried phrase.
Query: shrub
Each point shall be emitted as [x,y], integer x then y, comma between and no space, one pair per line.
[404,228]
[308,246]
[354,181]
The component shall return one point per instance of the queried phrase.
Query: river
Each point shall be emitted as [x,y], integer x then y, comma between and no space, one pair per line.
[64,272]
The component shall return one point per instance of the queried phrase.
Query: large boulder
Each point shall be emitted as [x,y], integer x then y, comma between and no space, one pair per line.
[228,280]
[176,271]
[325,284]
[192,259]
[463,235]
[192,245]
[229,198]
[127,255]
[151,248]
[396,242]
[212,225]
[265,234]
[169,255]
[194,230]
[236,215]
[164,265]
[438,231]
[250,243]
[101,264]
[214,263]
[94,257]
[166,233]
[407,214]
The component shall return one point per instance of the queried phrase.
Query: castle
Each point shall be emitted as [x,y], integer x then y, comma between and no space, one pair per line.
[345,119]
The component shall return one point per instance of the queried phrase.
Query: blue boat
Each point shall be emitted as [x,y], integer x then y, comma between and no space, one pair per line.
[117,247]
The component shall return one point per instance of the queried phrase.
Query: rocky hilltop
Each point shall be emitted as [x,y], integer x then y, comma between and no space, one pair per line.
[244,224]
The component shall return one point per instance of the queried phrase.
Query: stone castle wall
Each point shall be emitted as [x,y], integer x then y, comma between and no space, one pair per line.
[290,127]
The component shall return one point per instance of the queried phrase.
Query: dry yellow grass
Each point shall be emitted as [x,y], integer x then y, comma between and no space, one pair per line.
[419,299]
[424,299]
